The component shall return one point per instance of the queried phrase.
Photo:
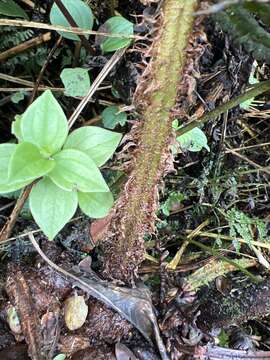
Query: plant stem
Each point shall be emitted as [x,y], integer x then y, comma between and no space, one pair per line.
[256,90]
[7,228]
[234,263]
[134,213]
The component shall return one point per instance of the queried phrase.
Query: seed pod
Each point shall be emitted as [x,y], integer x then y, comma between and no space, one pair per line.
[13,320]
[76,312]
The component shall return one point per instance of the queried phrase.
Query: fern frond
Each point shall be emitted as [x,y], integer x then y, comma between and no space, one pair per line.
[246,31]
[30,60]
[11,37]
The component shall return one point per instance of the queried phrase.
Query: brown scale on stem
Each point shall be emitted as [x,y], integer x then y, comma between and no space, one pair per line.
[135,212]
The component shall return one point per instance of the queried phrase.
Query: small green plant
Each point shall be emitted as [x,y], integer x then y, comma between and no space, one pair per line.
[242,225]
[76,81]
[194,140]
[64,167]
[113,116]
[173,200]
[84,18]
[115,25]
[247,105]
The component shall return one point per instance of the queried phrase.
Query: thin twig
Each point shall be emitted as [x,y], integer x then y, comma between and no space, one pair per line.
[177,258]
[248,147]
[75,30]
[73,23]
[230,238]
[101,76]
[40,39]
[41,88]
[14,238]
[7,228]
[256,90]
[44,67]
[252,163]
[208,249]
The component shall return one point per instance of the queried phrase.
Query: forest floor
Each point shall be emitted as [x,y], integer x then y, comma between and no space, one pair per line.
[206,267]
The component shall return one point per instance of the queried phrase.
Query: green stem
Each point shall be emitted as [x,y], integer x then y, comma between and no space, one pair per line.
[135,212]
[256,90]
[223,258]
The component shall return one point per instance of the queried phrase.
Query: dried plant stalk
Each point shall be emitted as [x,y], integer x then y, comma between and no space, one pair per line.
[134,213]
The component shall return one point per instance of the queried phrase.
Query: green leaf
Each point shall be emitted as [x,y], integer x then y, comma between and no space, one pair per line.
[174,199]
[6,152]
[10,8]
[246,105]
[27,164]
[115,25]
[76,170]
[111,117]
[60,357]
[18,96]
[76,81]
[51,206]
[194,140]
[80,12]
[16,127]
[99,144]
[95,205]
[44,124]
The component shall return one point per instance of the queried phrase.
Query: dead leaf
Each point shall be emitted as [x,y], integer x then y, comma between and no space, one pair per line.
[133,304]
[99,227]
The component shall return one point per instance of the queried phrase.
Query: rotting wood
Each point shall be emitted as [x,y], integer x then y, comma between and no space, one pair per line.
[242,302]
[19,291]
[134,213]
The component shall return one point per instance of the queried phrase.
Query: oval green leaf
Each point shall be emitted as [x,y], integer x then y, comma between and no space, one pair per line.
[6,152]
[95,205]
[60,357]
[193,140]
[76,170]
[115,25]
[111,117]
[51,206]
[16,127]
[44,124]
[76,81]
[80,12]
[27,164]
[99,144]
